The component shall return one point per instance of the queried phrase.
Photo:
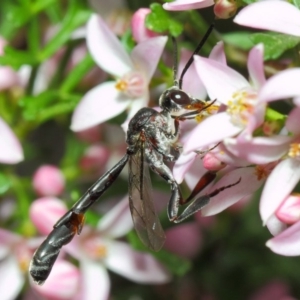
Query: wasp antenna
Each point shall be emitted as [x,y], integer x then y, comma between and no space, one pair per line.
[175,60]
[198,48]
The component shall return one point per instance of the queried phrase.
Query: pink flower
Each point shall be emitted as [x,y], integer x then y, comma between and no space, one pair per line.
[63,283]
[140,32]
[48,180]
[184,240]
[286,174]
[272,15]
[95,158]
[44,213]
[10,148]
[242,112]
[187,4]
[15,254]
[8,77]
[96,249]
[130,90]
[289,211]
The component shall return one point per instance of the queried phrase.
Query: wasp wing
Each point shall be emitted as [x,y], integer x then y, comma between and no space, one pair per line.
[145,219]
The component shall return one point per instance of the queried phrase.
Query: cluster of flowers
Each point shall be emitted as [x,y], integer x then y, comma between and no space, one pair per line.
[253,143]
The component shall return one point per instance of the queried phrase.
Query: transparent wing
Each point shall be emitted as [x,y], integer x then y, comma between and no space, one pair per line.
[145,219]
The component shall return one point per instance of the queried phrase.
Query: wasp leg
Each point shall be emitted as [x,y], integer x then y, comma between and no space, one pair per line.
[157,165]
[203,182]
[200,202]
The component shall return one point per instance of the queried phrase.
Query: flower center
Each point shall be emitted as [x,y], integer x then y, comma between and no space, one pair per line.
[241,106]
[95,248]
[132,84]
[263,171]
[23,255]
[294,151]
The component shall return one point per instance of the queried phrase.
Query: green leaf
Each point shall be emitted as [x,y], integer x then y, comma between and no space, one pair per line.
[161,21]
[48,105]
[4,183]
[16,58]
[77,74]
[297,3]
[75,17]
[240,39]
[249,1]
[275,44]
[177,265]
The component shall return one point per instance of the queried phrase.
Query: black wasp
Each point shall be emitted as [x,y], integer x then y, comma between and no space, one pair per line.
[151,139]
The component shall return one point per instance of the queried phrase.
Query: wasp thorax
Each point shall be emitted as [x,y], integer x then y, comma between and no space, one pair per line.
[174,99]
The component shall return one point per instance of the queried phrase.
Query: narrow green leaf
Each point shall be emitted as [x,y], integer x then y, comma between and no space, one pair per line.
[240,39]
[77,74]
[58,109]
[275,44]
[4,183]
[297,3]
[161,21]
[16,58]
[75,18]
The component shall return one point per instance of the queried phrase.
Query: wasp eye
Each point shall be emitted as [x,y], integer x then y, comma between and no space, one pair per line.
[179,97]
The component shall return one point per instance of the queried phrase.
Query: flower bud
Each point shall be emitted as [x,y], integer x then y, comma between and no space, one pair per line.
[225,9]
[48,180]
[212,163]
[139,31]
[289,210]
[44,213]
[94,158]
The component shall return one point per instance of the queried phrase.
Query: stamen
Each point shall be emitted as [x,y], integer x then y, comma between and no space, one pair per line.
[294,151]
[241,106]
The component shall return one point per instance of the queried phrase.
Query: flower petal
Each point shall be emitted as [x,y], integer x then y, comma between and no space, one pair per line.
[212,130]
[117,222]
[259,150]
[275,226]
[278,16]
[248,185]
[62,283]
[278,186]
[11,278]
[288,242]
[187,4]
[136,266]
[218,54]
[10,148]
[220,80]
[256,66]
[145,55]
[100,104]
[95,280]
[282,85]
[106,49]
[292,123]
[182,165]
[191,83]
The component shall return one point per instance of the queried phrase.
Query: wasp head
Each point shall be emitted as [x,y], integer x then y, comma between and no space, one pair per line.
[174,100]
